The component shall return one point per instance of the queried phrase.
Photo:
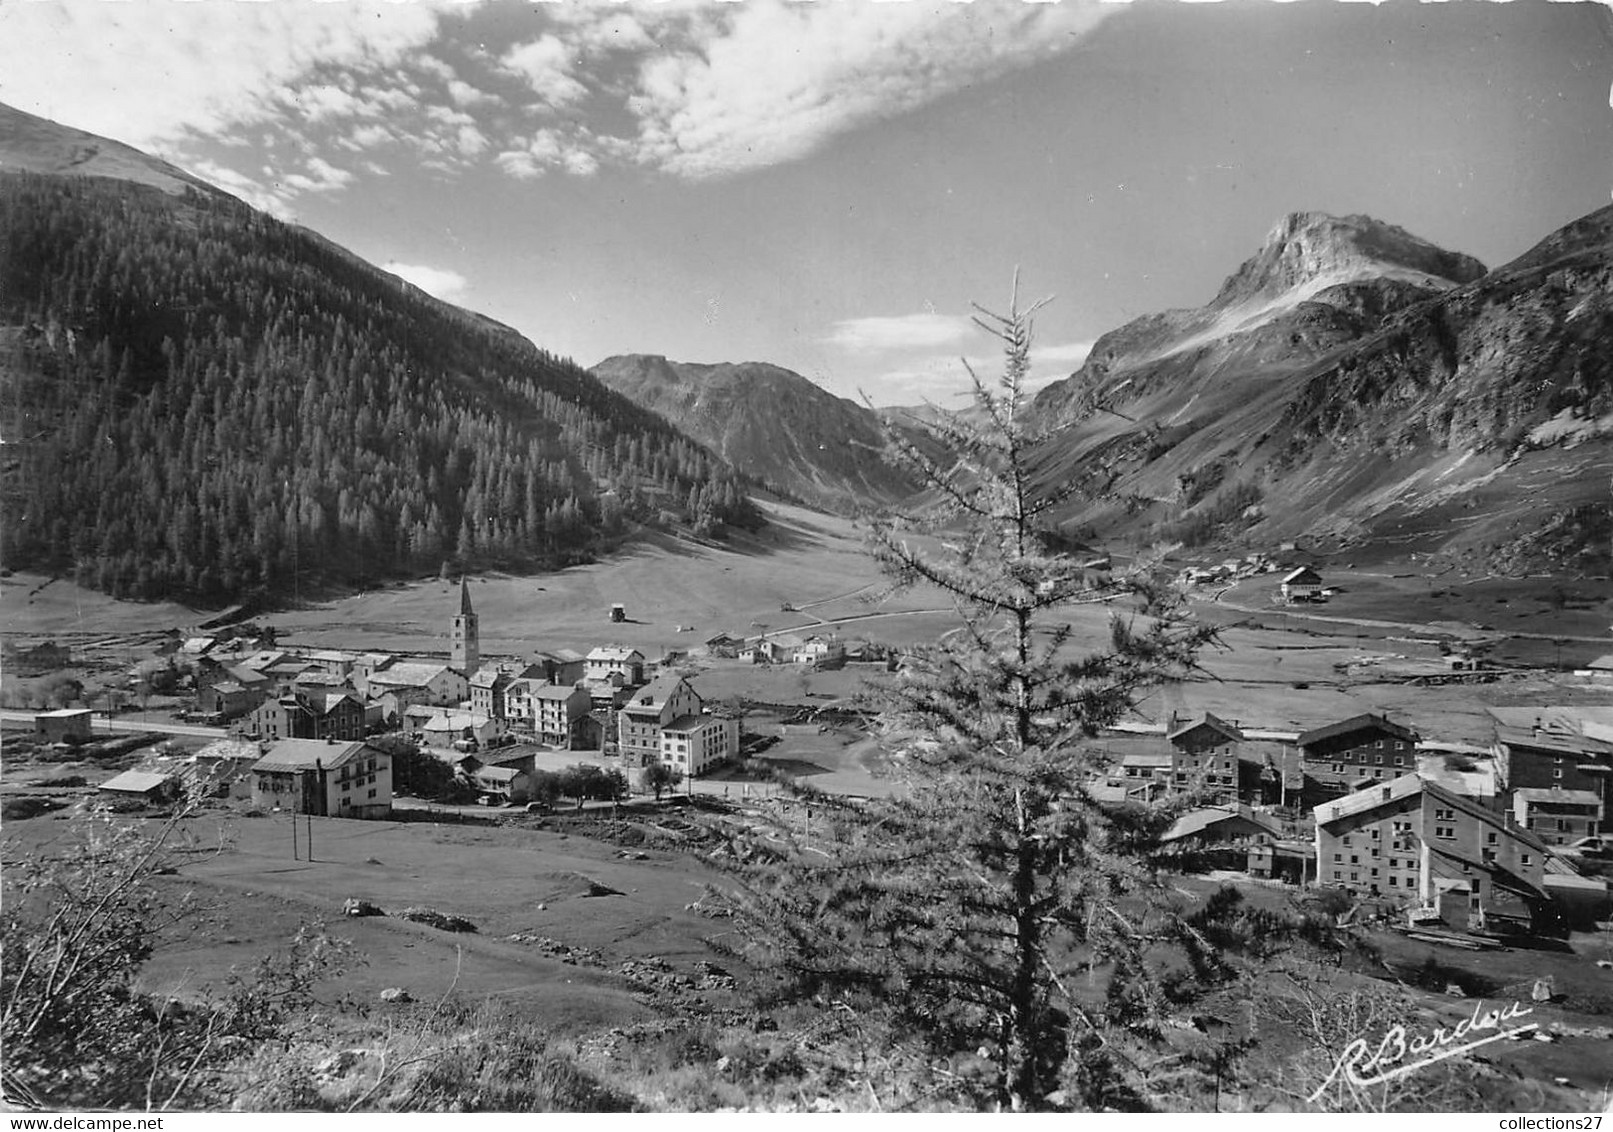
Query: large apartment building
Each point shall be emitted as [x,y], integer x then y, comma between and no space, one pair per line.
[1410,838]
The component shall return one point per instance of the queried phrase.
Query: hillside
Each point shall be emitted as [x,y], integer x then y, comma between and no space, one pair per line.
[1359,387]
[770,423]
[30,144]
[203,402]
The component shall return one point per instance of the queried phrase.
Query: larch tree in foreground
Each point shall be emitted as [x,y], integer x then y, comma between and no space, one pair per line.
[996,905]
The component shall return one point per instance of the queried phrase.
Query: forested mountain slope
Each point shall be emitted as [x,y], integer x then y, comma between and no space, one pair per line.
[200,400]
[771,423]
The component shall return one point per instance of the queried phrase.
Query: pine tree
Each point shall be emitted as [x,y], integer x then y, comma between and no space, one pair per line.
[996,903]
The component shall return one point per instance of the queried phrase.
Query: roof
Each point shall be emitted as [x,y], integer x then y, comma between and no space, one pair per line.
[1408,786]
[1147,758]
[1302,574]
[1213,722]
[245,676]
[564,656]
[136,782]
[499,773]
[691,722]
[1198,821]
[615,652]
[301,754]
[561,692]
[455,721]
[198,644]
[656,692]
[331,655]
[63,713]
[409,674]
[464,599]
[1602,662]
[1569,797]
[489,678]
[1365,721]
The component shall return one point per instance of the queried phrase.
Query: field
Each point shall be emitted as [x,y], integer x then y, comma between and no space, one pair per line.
[1285,668]
[504,879]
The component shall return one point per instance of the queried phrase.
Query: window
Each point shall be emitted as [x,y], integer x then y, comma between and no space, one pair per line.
[1491,837]
[1524,859]
[1338,768]
[1355,876]
[1337,875]
[1447,832]
[1392,881]
[1557,772]
[1374,834]
[1397,760]
[1354,860]
[1374,872]
[1378,760]
[372,793]
[1338,856]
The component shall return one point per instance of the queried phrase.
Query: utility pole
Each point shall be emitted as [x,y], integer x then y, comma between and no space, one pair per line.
[294,854]
[310,836]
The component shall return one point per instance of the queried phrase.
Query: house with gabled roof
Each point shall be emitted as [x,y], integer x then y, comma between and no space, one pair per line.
[1412,839]
[324,778]
[1368,747]
[1301,584]
[647,711]
[420,682]
[696,743]
[621,660]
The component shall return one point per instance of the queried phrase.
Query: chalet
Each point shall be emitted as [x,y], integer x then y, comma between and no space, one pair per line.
[62,725]
[606,660]
[1301,584]
[309,715]
[694,743]
[1558,816]
[822,652]
[324,778]
[1146,774]
[1364,748]
[766,650]
[1205,757]
[502,783]
[647,711]
[1218,825]
[140,786]
[1413,839]
[725,645]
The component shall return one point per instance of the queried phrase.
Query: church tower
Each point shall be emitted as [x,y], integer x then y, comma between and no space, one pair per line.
[467,652]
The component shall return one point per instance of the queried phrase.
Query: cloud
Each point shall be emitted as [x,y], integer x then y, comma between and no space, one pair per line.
[239,184]
[545,66]
[437,281]
[154,73]
[775,81]
[904,332]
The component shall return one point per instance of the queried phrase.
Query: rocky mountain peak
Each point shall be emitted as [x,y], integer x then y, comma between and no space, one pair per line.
[1309,249]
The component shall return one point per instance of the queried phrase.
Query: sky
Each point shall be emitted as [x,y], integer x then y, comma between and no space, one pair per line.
[828,185]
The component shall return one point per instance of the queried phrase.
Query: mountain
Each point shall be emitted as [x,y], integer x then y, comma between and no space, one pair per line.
[1354,385]
[29,144]
[201,401]
[769,423]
